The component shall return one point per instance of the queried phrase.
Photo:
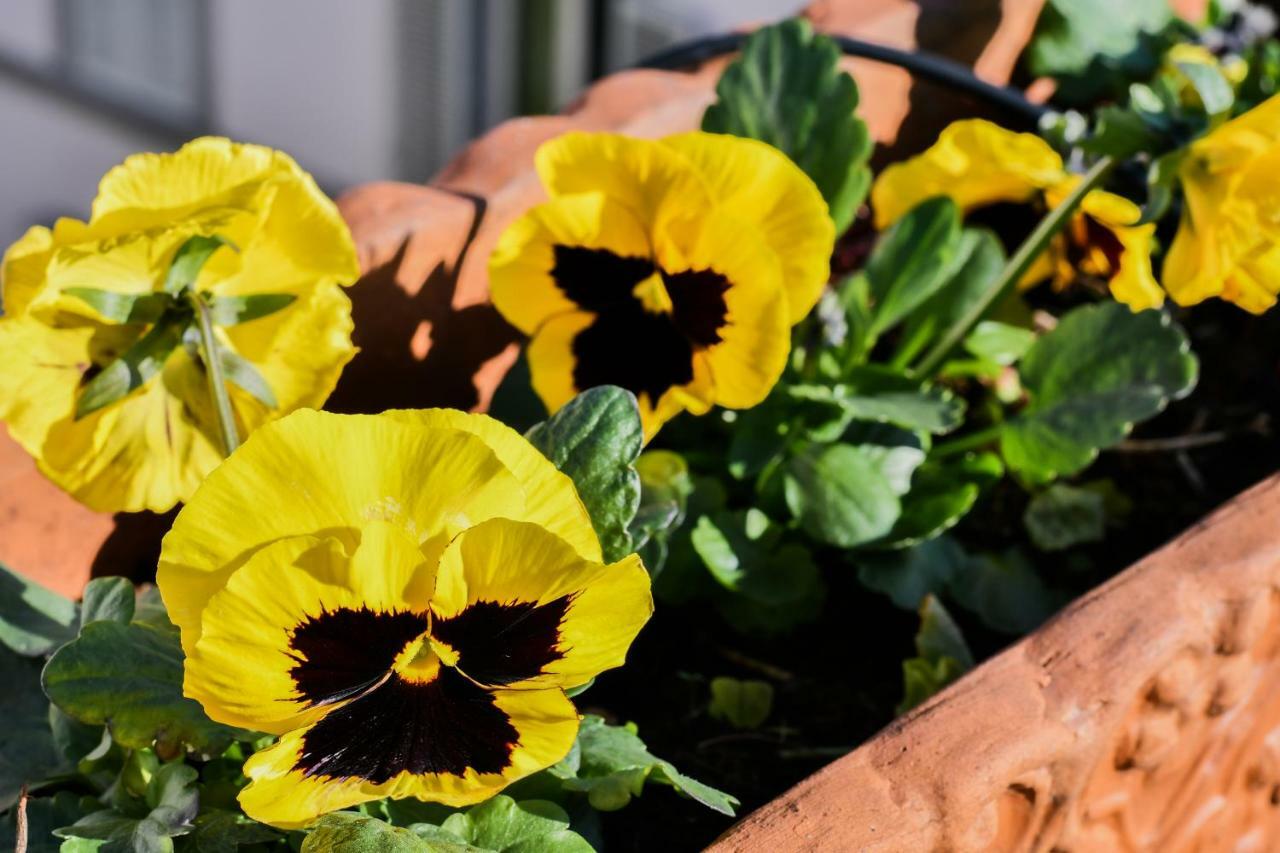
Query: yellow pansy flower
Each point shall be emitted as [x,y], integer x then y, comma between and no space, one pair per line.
[1228,241]
[673,268]
[151,448]
[1002,177]
[403,598]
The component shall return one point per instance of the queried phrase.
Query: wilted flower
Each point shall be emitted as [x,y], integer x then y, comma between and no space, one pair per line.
[103,382]
[403,598]
[1228,241]
[672,268]
[1002,177]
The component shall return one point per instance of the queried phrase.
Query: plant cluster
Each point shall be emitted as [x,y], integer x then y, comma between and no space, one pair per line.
[371,632]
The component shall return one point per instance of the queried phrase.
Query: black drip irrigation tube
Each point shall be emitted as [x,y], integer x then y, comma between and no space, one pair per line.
[924,66]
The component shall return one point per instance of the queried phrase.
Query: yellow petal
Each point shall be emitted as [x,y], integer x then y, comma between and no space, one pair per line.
[22,271]
[551,500]
[761,185]
[523,267]
[323,474]
[439,736]
[976,163]
[646,177]
[756,337]
[41,375]
[1133,283]
[302,627]
[518,607]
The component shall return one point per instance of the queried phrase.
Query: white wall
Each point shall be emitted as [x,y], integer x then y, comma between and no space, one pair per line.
[313,77]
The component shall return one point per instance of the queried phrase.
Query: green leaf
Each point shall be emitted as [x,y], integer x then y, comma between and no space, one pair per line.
[933,410]
[942,655]
[1092,48]
[665,486]
[999,343]
[108,599]
[33,620]
[190,259]
[27,751]
[123,307]
[44,815]
[841,495]
[173,800]
[1216,94]
[130,677]
[1162,182]
[130,370]
[528,826]
[941,494]
[594,439]
[1101,370]
[913,260]
[1005,592]
[979,258]
[910,575]
[1062,516]
[742,704]
[787,89]
[741,551]
[240,372]
[922,678]
[611,765]
[222,831]
[233,310]
[347,832]
[1120,133]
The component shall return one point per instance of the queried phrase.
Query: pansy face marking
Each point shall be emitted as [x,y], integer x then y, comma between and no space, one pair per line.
[673,268]
[639,308]
[409,623]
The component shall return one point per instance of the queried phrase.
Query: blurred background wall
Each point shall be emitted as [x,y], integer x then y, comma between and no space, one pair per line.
[356,90]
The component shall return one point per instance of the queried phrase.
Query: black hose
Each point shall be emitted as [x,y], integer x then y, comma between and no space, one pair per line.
[925,66]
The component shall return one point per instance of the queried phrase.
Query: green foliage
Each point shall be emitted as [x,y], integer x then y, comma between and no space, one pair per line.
[1005,592]
[665,486]
[1102,369]
[348,832]
[129,676]
[742,704]
[942,655]
[913,260]
[28,753]
[611,764]
[234,310]
[503,824]
[190,259]
[595,439]
[1093,48]
[1063,516]
[123,307]
[107,600]
[787,90]
[33,620]
[172,800]
[843,495]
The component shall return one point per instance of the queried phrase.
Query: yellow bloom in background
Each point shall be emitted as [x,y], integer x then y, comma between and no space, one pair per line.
[995,174]
[673,268]
[1228,241]
[403,598]
[153,447]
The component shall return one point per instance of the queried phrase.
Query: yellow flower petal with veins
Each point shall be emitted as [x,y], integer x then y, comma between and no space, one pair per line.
[152,448]
[1227,238]
[402,598]
[672,268]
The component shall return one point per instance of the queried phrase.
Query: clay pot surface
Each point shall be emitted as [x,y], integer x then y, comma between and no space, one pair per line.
[1145,716]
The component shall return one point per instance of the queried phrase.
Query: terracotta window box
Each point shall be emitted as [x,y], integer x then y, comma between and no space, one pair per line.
[1144,716]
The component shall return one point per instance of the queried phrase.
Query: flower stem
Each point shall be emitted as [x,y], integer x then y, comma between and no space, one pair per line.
[1015,269]
[965,443]
[213,370]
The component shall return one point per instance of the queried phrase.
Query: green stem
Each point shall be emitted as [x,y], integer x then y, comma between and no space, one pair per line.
[1015,269]
[965,443]
[910,348]
[213,370]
